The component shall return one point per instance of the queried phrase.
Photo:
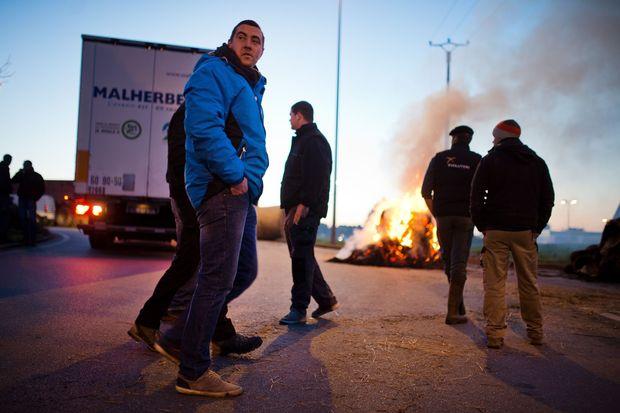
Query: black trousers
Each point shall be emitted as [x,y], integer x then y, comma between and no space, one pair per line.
[455,235]
[308,280]
[182,270]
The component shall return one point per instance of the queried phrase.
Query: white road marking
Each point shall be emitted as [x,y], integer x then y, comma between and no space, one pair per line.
[611,316]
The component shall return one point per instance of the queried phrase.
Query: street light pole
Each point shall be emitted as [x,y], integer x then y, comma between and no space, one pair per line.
[333,233]
[568,203]
[448,46]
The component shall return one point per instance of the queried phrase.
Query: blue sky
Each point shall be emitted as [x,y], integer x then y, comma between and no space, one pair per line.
[387,71]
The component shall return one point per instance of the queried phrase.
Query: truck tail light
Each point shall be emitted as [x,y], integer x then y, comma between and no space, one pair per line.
[82,209]
[97,210]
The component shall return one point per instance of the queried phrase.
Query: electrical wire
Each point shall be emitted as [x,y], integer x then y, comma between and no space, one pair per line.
[465,16]
[444,19]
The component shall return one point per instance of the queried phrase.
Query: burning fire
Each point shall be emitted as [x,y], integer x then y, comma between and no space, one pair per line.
[398,232]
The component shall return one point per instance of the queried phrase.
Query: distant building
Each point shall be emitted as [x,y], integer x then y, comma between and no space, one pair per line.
[572,236]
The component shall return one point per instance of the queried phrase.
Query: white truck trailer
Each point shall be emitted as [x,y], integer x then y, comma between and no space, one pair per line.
[128,93]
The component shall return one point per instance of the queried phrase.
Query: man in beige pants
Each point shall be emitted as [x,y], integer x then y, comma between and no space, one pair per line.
[511,201]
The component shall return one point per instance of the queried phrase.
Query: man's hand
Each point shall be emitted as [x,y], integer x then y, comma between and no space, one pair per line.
[241,188]
[300,212]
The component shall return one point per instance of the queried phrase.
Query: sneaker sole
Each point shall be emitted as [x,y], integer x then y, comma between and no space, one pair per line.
[219,394]
[318,314]
[289,323]
[167,355]
[139,339]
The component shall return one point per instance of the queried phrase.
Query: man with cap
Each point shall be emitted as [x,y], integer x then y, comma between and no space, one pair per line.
[446,191]
[511,201]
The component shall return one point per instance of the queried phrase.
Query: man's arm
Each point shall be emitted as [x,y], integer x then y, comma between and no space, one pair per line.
[547,195]
[479,186]
[428,185]
[205,118]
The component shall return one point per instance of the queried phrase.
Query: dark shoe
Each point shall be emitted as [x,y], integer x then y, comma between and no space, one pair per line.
[294,317]
[495,343]
[210,384]
[168,350]
[144,335]
[238,344]
[455,298]
[324,310]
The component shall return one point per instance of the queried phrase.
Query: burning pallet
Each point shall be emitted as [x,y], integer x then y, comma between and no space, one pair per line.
[397,233]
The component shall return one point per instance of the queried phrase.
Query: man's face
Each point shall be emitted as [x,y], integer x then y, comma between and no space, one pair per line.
[295,120]
[247,43]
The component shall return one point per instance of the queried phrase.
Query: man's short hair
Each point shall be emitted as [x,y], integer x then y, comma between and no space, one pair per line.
[7,158]
[27,164]
[305,109]
[249,23]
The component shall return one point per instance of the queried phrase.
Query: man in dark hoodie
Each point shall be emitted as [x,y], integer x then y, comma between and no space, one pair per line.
[5,195]
[31,189]
[446,188]
[511,201]
[303,196]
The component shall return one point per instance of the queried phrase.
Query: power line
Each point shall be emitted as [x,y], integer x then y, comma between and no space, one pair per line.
[465,16]
[444,19]
[486,19]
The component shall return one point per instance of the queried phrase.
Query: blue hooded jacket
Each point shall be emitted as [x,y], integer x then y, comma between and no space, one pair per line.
[217,96]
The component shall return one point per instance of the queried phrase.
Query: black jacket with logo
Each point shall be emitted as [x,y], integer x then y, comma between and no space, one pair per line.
[31,184]
[512,189]
[307,171]
[448,178]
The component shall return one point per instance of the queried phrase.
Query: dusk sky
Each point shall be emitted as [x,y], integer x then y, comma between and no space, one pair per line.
[554,66]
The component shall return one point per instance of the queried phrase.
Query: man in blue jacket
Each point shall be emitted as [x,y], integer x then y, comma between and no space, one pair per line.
[226,159]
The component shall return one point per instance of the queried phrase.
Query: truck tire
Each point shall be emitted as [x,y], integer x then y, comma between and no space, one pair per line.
[100,241]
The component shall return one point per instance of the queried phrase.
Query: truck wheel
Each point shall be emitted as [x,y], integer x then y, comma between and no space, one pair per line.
[100,242]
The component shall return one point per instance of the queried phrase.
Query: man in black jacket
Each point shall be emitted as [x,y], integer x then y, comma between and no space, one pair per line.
[511,201]
[303,196]
[446,189]
[5,196]
[182,270]
[31,189]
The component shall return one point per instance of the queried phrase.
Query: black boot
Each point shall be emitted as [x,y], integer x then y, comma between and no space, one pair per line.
[455,300]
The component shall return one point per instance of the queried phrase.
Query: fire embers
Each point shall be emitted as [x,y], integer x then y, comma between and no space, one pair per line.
[397,233]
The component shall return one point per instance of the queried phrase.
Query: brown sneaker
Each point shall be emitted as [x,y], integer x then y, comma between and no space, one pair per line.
[324,310]
[168,350]
[210,384]
[144,335]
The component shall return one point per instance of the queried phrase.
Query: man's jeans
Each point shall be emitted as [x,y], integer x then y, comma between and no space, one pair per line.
[178,283]
[499,245]
[308,280]
[28,217]
[455,235]
[228,266]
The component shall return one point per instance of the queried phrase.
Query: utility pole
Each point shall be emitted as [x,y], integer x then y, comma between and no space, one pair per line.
[448,46]
[568,203]
[333,234]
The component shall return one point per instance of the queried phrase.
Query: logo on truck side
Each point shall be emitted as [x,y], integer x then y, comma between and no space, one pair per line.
[131,129]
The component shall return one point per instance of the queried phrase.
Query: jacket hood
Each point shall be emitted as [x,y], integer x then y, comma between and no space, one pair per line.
[251,74]
[516,149]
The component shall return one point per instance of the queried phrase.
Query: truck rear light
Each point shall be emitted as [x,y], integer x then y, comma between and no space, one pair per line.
[82,209]
[97,210]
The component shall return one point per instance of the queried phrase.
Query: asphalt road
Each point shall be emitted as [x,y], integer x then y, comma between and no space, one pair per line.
[68,260]
[65,346]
